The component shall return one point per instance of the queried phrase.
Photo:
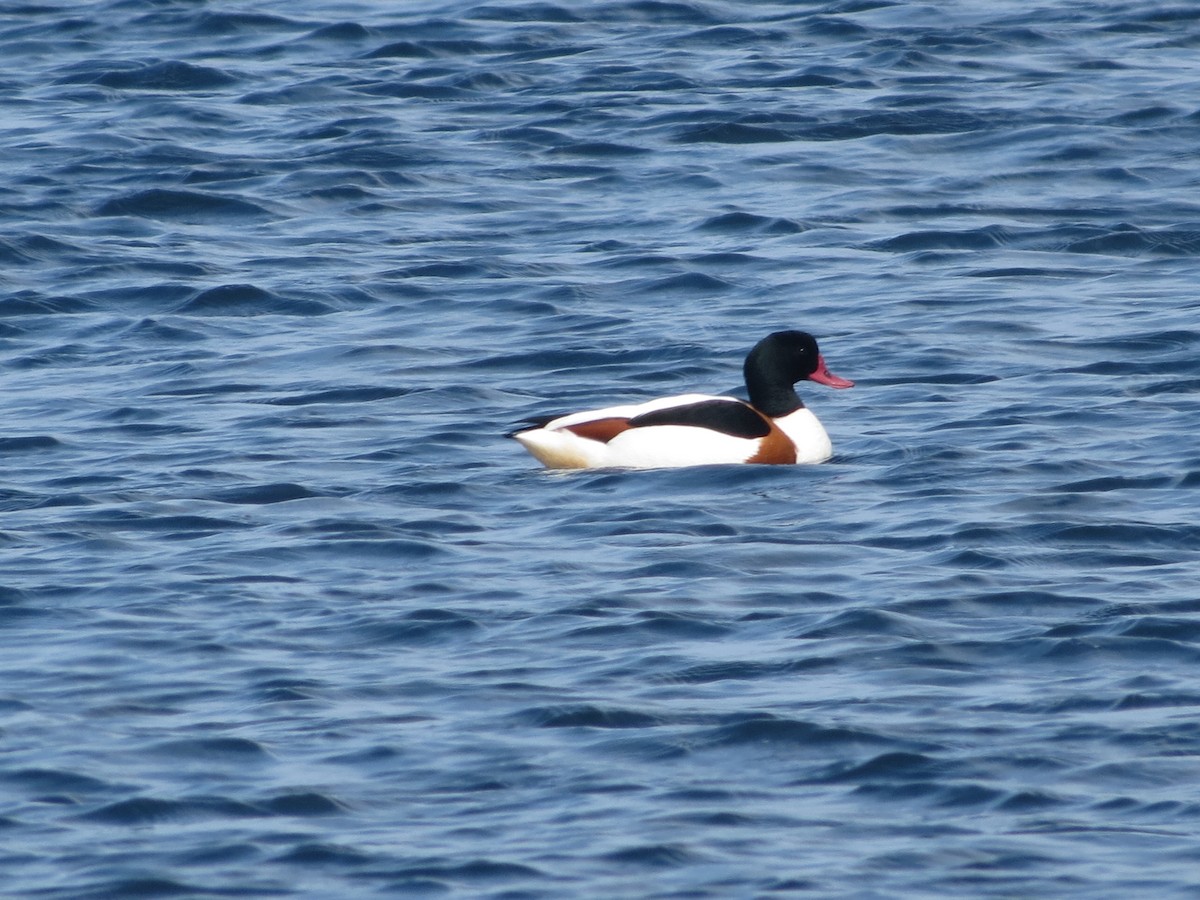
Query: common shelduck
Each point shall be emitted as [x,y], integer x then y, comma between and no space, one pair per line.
[698,429]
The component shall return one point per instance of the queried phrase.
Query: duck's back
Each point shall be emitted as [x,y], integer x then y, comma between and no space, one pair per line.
[686,430]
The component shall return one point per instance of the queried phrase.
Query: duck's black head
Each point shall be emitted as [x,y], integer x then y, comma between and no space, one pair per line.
[777,362]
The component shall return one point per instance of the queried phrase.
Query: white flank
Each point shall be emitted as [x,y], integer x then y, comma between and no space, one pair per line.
[658,446]
[563,450]
[663,446]
[638,448]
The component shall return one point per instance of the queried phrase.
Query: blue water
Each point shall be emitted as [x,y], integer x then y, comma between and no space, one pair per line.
[283,614]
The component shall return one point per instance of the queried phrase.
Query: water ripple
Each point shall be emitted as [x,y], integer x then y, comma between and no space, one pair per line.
[285,613]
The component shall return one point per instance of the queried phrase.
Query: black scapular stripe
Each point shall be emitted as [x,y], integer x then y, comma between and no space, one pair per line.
[727,416]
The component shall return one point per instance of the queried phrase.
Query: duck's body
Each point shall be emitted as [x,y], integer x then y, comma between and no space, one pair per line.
[698,429]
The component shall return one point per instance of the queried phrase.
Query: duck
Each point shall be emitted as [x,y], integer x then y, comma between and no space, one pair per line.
[774,427]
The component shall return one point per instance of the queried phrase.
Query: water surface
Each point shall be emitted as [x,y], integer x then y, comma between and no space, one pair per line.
[285,615]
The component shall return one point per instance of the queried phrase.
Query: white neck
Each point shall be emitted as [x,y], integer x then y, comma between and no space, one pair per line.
[808,434]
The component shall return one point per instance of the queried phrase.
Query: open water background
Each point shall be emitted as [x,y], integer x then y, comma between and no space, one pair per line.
[284,615]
